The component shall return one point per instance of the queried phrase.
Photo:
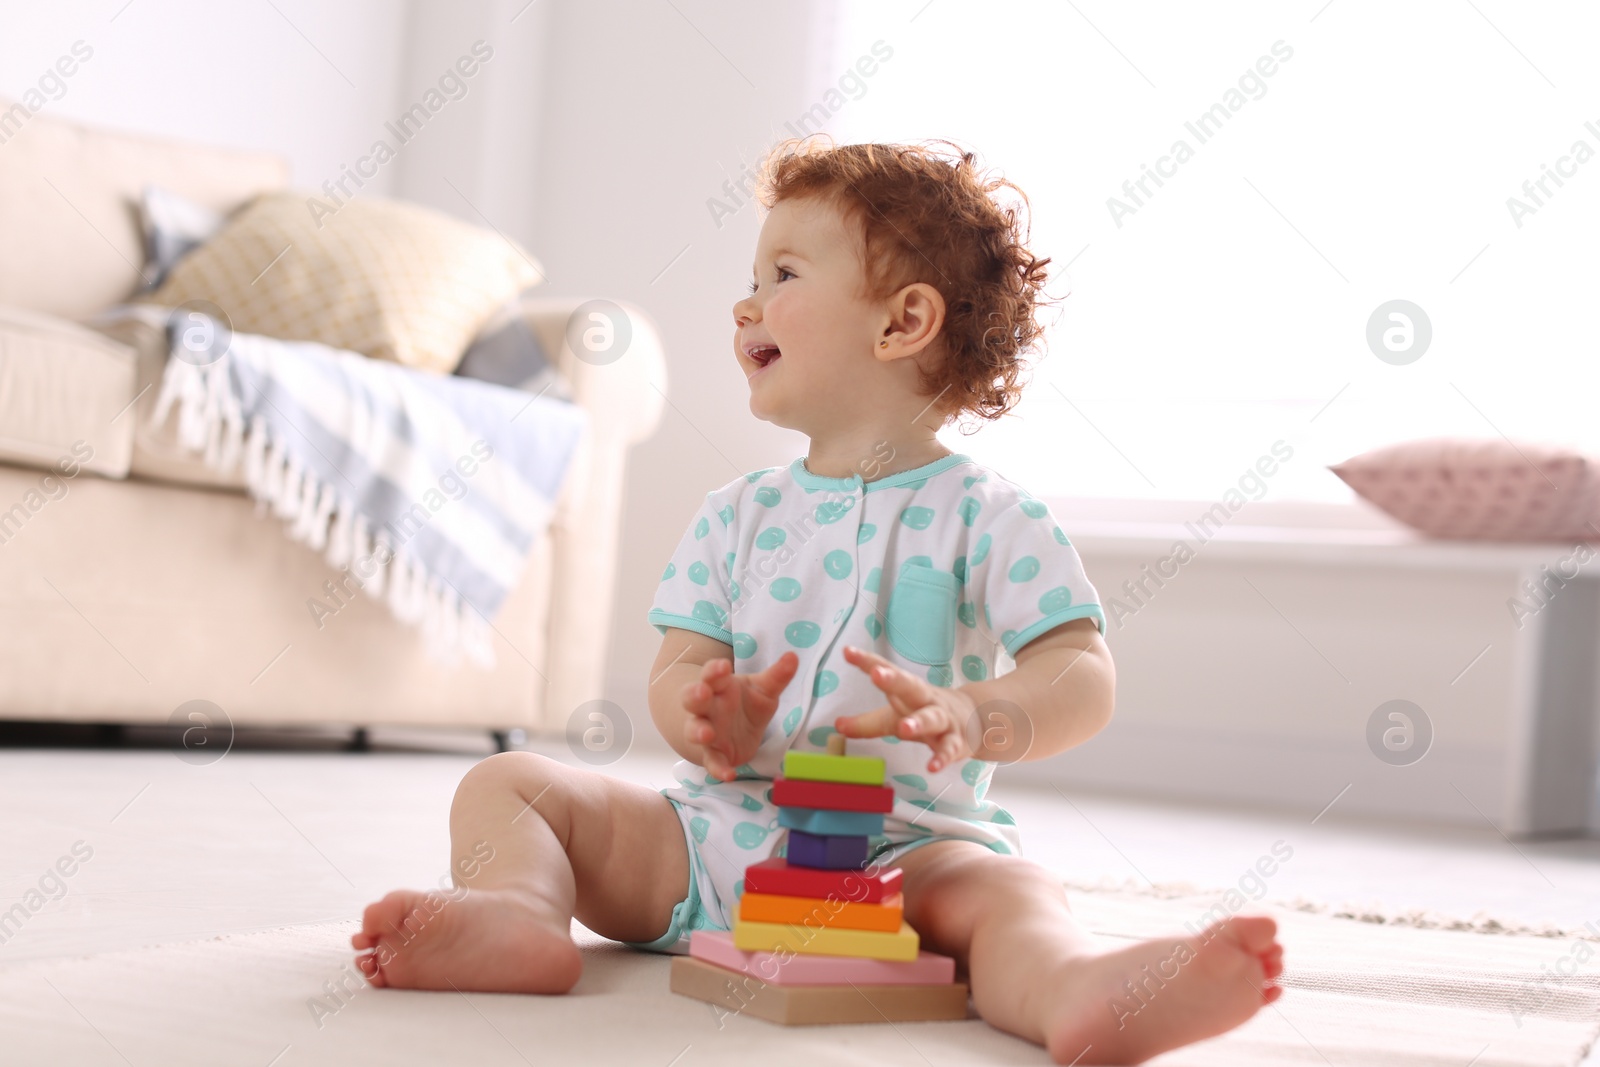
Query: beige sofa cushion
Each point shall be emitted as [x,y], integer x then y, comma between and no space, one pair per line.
[387,279]
[64,393]
[71,242]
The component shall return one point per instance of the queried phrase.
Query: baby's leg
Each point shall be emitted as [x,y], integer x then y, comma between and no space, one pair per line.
[533,842]
[1036,973]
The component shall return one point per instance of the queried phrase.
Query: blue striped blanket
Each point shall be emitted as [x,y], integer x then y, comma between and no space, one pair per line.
[426,490]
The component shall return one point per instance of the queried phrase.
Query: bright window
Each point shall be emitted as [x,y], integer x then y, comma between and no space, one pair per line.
[1229,309]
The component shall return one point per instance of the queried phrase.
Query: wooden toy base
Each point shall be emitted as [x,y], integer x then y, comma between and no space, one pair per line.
[810,1005]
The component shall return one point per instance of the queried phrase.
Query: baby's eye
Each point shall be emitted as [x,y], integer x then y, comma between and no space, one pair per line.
[784,273]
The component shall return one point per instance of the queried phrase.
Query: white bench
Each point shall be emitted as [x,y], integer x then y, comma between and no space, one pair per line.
[1250,674]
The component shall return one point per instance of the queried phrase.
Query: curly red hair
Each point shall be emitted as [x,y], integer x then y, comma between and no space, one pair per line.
[928,214]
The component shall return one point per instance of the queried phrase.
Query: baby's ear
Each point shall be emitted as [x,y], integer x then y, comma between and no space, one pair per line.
[916,317]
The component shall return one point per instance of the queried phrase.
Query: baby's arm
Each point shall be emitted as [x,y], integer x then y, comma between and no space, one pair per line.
[1065,684]
[708,714]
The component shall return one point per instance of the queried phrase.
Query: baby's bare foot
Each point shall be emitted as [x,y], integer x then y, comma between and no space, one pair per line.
[488,940]
[1129,1005]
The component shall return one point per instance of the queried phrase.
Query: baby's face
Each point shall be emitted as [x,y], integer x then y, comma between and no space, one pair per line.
[805,336]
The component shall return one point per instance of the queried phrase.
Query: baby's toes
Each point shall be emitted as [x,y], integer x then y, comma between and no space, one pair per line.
[367,964]
[1253,933]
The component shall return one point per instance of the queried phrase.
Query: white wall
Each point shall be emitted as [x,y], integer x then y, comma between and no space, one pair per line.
[645,121]
[314,83]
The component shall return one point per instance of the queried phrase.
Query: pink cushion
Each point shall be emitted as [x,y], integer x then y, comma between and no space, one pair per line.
[1490,490]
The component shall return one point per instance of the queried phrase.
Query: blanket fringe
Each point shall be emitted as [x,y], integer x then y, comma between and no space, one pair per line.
[211,422]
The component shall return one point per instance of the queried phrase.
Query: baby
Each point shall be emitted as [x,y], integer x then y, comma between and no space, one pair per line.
[862,590]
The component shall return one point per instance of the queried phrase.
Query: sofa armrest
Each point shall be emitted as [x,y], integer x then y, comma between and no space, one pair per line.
[626,395]
[625,399]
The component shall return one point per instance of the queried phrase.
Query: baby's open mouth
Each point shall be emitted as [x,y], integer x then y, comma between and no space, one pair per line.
[764,354]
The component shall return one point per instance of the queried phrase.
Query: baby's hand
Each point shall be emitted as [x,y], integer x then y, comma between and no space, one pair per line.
[728,713]
[917,711]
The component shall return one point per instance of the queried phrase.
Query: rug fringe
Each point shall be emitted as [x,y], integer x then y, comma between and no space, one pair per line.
[1419,918]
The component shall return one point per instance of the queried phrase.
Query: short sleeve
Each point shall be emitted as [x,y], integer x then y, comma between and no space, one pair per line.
[1025,578]
[697,590]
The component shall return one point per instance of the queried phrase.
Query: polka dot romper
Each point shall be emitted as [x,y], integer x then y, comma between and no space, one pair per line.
[935,569]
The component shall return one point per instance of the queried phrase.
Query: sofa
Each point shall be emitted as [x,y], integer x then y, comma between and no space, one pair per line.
[134,580]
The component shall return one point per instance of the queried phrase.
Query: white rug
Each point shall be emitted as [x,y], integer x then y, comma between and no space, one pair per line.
[1361,994]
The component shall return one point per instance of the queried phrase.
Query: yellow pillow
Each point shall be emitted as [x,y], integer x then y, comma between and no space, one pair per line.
[391,280]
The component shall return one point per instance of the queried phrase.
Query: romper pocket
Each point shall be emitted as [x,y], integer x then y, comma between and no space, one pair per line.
[921,619]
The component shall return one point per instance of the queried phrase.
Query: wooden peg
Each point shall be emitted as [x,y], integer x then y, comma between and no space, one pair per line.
[836,744]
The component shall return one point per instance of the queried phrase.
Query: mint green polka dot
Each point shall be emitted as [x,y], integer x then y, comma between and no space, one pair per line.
[712,780]
[972,480]
[672,568]
[770,538]
[831,511]
[701,528]
[917,561]
[874,627]
[749,803]
[1006,638]
[837,563]
[967,614]
[1003,816]
[969,509]
[767,496]
[698,827]
[890,740]
[917,518]
[727,561]
[970,771]
[725,513]
[706,611]
[981,552]
[749,834]
[1055,531]
[873,577]
[744,645]
[790,721]
[1023,569]
[802,634]
[925,805]
[973,667]
[820,735]
[699,573]
[1034,509]
[959,569]
[785,589]
[941,674]
[986,620]
[983,787]
[738,888]
[1056,599]
[864,534]
[744,770]
[918,484]
[915,781]
[826,683]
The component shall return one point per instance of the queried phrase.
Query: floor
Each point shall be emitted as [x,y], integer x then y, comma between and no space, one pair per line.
[261,839]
